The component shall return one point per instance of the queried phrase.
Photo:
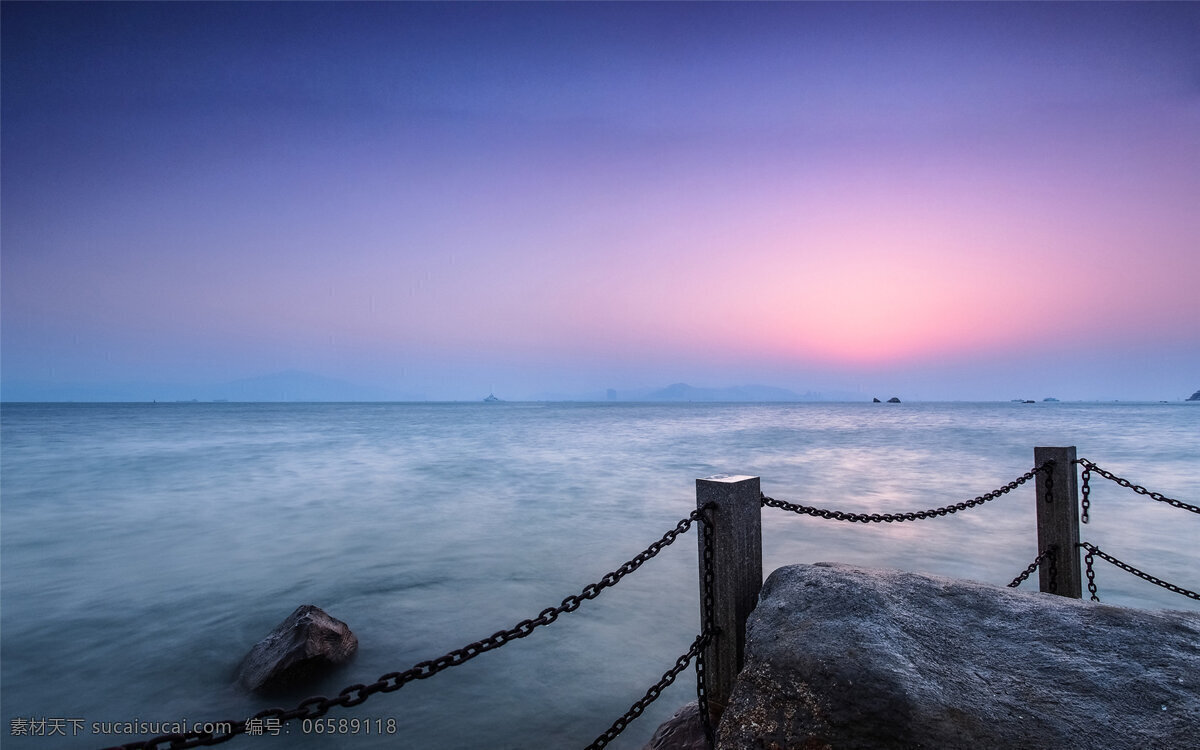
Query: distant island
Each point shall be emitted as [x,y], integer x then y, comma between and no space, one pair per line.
[1194,397]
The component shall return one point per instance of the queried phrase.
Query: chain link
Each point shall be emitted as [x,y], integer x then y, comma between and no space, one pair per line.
[1049,467]
[319,705]
[1088,466]
[1048,554]
[651,695]
[709,625]
[838,515]
[1024,574]
[1091,575]
[1086,491]
[702,696]
[1090,572]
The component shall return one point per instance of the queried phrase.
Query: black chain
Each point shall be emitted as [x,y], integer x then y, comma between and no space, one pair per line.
[1088,466]
[1086,491]
[838,515]
[651,695]
[709,626]
[1049,467]
[319,705]
[1024,574]
[1091,575]
[1053,571]
[697,651]
[1090,572]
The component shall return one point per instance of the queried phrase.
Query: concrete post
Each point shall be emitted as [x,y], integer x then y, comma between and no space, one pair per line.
[737,567]
[1058,520]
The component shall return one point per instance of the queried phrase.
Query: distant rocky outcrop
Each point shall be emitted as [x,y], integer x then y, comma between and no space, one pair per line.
[876,401]
[846,657]
[303,647]
[1194,397]
[893,400]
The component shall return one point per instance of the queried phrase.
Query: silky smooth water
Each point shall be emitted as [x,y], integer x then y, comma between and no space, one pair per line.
[147,547]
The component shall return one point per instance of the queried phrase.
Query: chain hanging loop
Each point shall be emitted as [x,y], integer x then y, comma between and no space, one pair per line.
[1085,491]
[839,515]
[1090,572]
[1094,550]
[1089,466]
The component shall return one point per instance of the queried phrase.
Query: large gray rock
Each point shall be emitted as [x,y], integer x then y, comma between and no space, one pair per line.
[843,657]
[303,647]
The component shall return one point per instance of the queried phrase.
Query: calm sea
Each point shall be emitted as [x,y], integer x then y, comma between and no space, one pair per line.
[146,548]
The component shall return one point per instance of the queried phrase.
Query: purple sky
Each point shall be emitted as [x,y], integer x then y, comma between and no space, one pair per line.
[941,201]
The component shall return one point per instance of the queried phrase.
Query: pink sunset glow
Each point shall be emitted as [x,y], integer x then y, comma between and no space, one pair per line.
[436,200]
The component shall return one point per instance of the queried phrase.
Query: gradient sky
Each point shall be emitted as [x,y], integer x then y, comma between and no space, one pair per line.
[937,201]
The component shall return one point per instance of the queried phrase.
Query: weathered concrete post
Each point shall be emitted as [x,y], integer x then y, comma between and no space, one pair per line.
[1058,520]
[737,567]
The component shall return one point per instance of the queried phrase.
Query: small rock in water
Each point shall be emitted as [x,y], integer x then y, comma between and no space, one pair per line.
[306,645]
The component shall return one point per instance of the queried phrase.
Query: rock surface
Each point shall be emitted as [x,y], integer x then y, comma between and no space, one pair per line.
[304,646]
[683,731]
[844,657]
[1194,397]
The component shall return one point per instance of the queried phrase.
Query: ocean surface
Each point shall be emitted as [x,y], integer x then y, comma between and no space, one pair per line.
[144,548]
